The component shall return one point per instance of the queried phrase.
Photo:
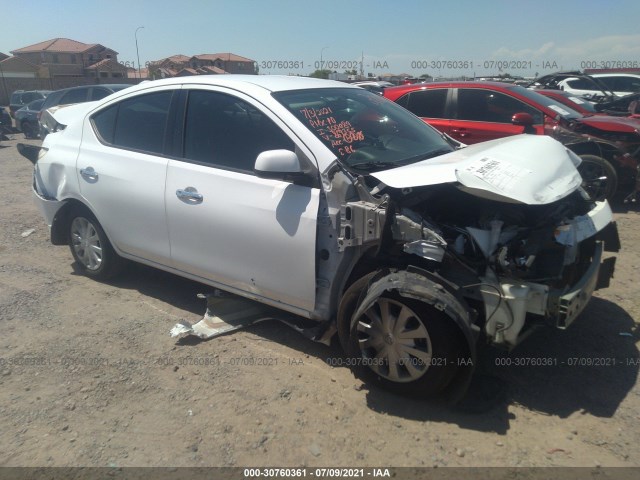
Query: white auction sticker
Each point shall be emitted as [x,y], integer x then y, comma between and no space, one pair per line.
[560,110]
[502,175]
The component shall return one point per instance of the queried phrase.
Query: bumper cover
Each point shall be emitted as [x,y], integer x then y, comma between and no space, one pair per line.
[565,308]
[48,206]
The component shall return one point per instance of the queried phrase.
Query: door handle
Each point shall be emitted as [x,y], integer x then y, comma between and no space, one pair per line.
[189,195]
[89,174]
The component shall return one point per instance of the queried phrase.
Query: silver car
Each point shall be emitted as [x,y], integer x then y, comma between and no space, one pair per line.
[332,204]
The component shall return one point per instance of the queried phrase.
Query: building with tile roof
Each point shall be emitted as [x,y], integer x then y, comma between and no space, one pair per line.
[63,57]
[204,64]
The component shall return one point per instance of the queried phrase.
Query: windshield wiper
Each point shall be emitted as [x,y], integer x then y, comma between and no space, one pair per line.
[438,152]
[371,166]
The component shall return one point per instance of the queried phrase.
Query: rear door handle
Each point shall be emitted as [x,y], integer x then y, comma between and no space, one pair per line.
[89,174]
[189,195]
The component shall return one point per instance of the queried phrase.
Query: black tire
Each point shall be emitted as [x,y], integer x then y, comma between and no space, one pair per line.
[347,308]
[90,247]
[28,130]
[435,350]
[599,178]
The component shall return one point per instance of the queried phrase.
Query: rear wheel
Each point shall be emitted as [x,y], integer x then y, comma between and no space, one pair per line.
[405,345]
[599,178]
[91,248]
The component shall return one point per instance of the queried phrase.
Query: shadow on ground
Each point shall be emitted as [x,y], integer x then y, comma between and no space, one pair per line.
[588,368]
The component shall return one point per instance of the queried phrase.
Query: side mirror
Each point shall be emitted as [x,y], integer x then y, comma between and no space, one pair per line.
[278,164]
[523,119]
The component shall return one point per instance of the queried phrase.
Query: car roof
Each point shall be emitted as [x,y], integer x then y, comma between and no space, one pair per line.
[616,74]
[272,83]
[551,91]
[106,85]
[30,91]
[389,91]
[457,83]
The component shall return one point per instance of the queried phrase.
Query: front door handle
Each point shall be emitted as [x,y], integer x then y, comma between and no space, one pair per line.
[189,195]
[89,174]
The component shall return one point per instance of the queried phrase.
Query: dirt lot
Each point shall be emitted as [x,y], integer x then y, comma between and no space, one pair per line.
[90,377]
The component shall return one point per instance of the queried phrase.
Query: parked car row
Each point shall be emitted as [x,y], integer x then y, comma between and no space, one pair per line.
[20,98]
[595,85]
[408,244]
[612,94]
[28,107]
[473,112]
[73,95]
[5,118]
[27,118]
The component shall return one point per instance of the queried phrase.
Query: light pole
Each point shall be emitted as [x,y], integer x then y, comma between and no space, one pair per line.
[4,84]
[137,53]
[321,64]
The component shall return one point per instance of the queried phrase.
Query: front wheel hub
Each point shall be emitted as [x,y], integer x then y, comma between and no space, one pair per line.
[393,341]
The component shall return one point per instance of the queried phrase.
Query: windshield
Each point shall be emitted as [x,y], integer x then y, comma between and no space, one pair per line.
[582,103]
[365,131]
[36,104]
[564,111]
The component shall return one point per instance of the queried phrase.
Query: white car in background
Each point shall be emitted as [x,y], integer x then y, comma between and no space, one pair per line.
[373,86]
[620,84]
[333,204]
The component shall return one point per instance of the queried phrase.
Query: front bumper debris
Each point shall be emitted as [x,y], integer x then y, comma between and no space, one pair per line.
[227,313]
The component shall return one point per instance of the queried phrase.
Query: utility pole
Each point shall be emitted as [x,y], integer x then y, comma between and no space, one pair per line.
[137,53]
[4,83]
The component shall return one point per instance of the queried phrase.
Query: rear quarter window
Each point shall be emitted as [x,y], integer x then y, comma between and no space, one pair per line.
[137,123]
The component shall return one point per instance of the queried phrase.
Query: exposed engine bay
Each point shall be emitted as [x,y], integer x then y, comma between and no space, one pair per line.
[506,259]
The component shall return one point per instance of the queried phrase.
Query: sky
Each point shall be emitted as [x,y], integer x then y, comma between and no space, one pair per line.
[292,37]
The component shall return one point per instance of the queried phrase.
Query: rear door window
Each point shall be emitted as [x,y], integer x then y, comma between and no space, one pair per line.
[581,84]
[99,93]
[78,95]
[623,84]
[428,103]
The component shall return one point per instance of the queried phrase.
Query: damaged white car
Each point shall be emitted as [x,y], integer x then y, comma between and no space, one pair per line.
[335,205]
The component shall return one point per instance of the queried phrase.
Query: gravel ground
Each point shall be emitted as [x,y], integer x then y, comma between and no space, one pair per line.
[90,377]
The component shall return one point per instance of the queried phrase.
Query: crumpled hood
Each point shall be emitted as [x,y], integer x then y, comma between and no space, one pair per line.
[530,169]
[612,124]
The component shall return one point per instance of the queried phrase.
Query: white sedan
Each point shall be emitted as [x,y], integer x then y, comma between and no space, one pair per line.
[333,204]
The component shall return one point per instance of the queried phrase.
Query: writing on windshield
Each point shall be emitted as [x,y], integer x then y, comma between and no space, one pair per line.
[362,128]
[341,135]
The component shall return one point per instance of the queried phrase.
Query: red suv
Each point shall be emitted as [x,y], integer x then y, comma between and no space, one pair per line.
[473,112]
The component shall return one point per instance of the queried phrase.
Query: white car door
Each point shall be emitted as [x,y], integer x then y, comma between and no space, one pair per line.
[251,235]
[122,175]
